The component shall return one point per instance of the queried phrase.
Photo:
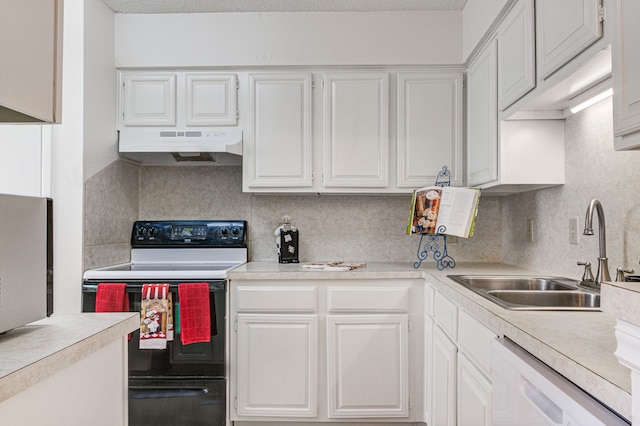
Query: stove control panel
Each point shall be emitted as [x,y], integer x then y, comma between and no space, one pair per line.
[189,233]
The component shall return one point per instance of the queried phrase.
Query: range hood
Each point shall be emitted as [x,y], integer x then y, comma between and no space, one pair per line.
[181,147]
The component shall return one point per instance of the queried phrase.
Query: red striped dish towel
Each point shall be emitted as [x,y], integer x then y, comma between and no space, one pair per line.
[112,297]
[195,314]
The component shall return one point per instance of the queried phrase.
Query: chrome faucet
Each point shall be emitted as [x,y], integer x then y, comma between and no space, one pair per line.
[603,262]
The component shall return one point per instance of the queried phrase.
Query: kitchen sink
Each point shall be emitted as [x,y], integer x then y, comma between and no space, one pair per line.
[522,292]
[514,282]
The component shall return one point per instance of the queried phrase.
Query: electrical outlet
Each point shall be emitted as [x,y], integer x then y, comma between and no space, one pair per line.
[573,231]
[530,226]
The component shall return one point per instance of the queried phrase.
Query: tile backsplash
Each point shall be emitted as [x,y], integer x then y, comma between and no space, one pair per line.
[371,228]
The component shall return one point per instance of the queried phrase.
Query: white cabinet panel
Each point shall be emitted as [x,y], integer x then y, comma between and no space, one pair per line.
[429,128]
[564,29]
[516,58]
[278,149]
[368,366]
[626,68]
[25,160]
[211,99]
[482,116]
[31,61]
[474,395]
[443,393]
[149,99]
[356,130]
[277,365]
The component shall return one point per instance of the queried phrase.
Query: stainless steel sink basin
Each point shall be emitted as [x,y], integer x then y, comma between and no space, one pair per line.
[514,282]
[522,292]
[549,300]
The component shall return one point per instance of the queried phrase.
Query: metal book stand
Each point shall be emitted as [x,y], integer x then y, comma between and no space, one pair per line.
[432,241]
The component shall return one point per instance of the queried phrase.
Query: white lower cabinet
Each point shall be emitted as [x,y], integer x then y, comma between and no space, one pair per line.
[277,359]
[474,394]
[458,367]
[443,391]
[368,365]
[329,351]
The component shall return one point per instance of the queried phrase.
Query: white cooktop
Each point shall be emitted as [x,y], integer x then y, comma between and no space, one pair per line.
[173,264]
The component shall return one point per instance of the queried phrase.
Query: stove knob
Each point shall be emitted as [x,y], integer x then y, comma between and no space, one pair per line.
[140,232]
[224,232]
[153,231]
[235,232]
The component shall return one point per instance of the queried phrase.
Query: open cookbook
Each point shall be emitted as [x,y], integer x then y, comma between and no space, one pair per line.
[443,210]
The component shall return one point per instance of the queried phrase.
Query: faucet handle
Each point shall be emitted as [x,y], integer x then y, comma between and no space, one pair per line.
[620,271]
[587,276]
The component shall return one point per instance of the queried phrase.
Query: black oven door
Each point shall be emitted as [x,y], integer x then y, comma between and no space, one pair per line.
[182,384]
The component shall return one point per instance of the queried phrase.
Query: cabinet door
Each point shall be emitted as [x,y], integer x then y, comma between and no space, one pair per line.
[474,395]
[31,60]
[516,57]
[149,99]
[482,116]
[277,361]
[443,391]
[211,99]
[356,130]
[278,150]
[367,365]
[429,132]
[563,30]
[626,68]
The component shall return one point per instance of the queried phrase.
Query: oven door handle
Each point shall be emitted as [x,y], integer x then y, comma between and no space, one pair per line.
[214,287]
[155,392]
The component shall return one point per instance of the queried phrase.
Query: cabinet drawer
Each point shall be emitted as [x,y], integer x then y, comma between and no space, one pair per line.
[474,339]
[359,299]
[276,299]
[445,312]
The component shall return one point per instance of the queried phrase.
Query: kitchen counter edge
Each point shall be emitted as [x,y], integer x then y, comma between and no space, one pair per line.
[36,351]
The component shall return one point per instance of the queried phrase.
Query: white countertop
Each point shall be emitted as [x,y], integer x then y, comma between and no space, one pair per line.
[31,353]
[578,345]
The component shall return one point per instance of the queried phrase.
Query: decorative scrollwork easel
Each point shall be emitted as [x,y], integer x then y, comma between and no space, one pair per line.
[432,241]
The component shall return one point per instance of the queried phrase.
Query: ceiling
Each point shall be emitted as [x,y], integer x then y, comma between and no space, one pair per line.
[204,6]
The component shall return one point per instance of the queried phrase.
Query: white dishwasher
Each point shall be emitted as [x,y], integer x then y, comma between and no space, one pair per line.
[528,392]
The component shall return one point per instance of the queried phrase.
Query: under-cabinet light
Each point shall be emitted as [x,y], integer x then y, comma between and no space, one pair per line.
[592,100]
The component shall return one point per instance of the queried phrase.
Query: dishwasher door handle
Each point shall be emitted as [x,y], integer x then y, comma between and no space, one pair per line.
[540,400]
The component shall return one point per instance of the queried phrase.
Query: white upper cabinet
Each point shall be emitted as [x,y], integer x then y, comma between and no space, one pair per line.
[511,155]
[356,130]
[148,99]
[516,61]
[31,61]
[182,99]
[429,127]
[278,141]
[211,99]
[482,117]
[626,69]
[565,29]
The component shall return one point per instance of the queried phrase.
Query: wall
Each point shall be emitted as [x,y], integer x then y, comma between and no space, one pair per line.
[101,138]
[593,170]
[300,38]
[332,227]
